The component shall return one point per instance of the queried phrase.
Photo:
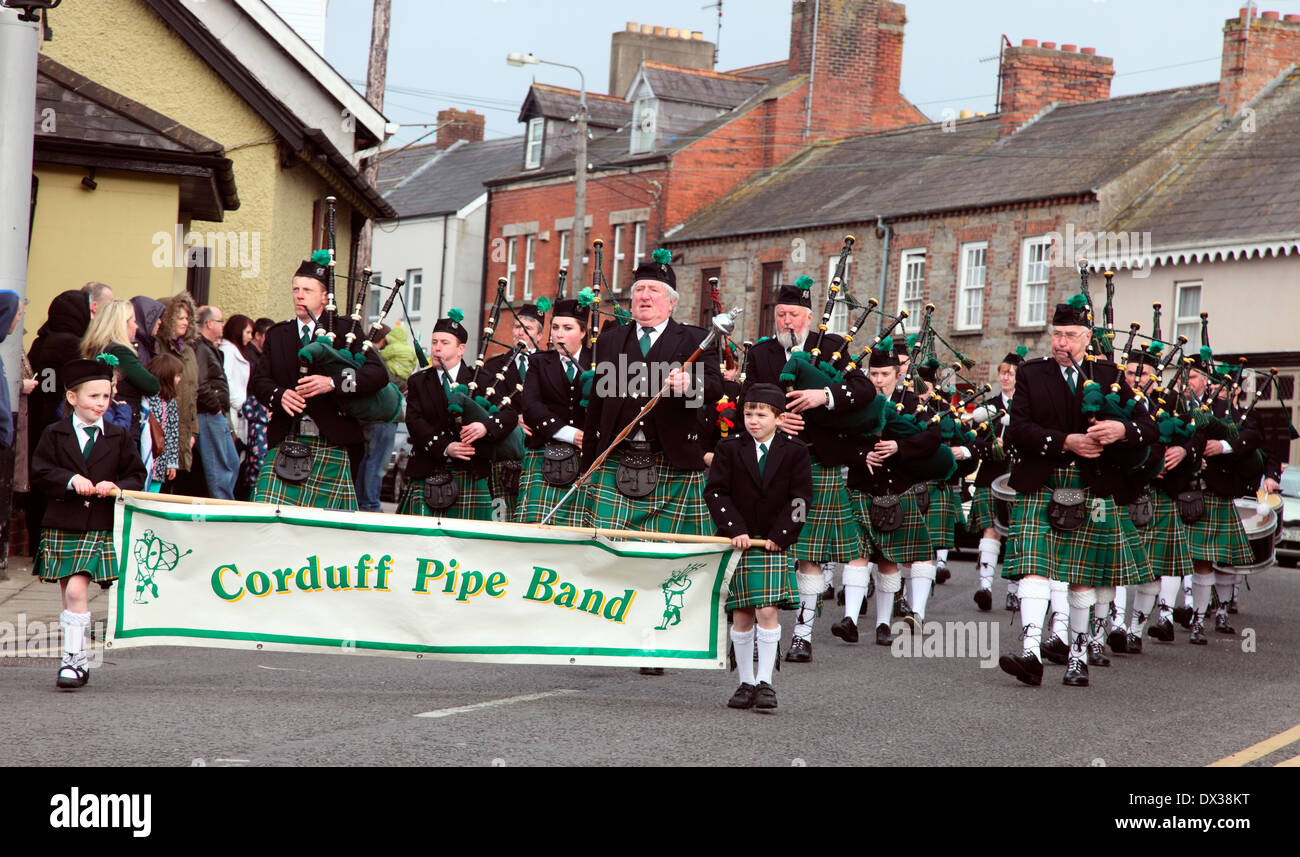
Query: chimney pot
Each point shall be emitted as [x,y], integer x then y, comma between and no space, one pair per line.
[1089,51]
[647,29]
[671,32]
[1029,43]
[1070,48]
[697,36]
[632,26]
[658,31]
[1269,16]
[1049,46]
[1291,19]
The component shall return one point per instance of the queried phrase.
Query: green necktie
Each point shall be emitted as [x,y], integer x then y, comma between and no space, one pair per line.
[85,450]
[446,384]
[523,367]
[762,458]
[1069,379]
[645,340]
[306,335]
[569,370]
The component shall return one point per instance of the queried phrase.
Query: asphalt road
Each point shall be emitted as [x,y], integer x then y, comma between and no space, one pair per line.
[853,705]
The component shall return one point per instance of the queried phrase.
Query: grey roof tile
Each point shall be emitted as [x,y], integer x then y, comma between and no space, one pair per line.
[423,180]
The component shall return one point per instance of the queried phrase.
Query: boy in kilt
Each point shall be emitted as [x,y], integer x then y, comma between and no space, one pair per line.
[830,534]
[883,476]
[1065,523]
[335,439]
[553,419]
[448,449]
[79,462]
[760,484]
[505,479]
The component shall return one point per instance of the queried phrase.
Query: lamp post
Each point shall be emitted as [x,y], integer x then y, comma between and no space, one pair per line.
[578,246]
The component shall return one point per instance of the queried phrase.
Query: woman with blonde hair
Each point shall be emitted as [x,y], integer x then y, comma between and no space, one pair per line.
[112,331]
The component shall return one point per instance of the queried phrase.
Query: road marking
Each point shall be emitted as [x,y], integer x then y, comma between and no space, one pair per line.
[283,669]
[45,652]
[493,703]
[1293,762]
[1260,750]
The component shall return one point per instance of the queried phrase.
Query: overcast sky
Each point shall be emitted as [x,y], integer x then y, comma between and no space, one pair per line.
[451,53]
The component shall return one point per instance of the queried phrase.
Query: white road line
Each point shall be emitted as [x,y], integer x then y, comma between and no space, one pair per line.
[282,669]
[493,703]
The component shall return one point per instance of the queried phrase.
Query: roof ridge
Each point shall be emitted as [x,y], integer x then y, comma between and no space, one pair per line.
[553,88]
[701,72]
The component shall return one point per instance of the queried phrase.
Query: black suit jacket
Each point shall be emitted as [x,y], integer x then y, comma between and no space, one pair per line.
[992,463]
[114,458]
[894,476]
[763,364]
[677,423]
[774,505]
[509,387]
[1044,412]
[550,399]
[432,426]
[277,371]
[1238,472]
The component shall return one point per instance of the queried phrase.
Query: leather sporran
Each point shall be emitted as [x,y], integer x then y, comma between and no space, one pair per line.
[560,463]
[921,493]
[509,474]
[1191,505]
[1067,511]
[293,462]
[637,475]
[886,512]
[440,490]
[1141,510]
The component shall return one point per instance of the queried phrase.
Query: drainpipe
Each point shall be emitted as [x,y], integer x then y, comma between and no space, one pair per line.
[884,270]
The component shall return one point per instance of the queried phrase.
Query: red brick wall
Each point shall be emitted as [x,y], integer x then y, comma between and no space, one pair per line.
[1033,77]
[456,125]
[1251,59]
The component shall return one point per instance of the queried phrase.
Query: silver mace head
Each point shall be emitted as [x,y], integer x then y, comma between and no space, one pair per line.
[723,324]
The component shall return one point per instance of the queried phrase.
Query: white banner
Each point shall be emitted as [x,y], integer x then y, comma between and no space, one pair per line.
[263,577]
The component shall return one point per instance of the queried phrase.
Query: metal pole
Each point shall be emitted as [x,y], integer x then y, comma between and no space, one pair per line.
[578,245]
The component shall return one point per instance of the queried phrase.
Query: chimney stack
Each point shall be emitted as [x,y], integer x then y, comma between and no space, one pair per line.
[629,47]
[1034,76]
[456,125]
[1255,51]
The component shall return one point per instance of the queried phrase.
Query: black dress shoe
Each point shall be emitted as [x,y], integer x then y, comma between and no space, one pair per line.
[1056,650]
[1133,644]
[1076,673]
[942,574]
[743,697]
[1117,639]
[839,597]
[1026,668]
[883,637]
[1097,655]
[71,677]
[829,593]
[1162,630]
[652,670]
[1221,625]
[984,599]
[1198,637]
[800,651]
[845,630]
[1183,616]
[901,607]
[764,697]
[1013,602]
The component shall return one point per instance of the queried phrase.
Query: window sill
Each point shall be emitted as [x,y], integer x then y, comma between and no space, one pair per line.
[1029,328]
[967,331]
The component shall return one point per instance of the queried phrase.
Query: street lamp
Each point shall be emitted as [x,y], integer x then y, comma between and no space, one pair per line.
[579,244]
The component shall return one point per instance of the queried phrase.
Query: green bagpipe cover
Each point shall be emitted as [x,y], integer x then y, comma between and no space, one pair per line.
[800,372]
[476,409]
[383,406]
[937,467]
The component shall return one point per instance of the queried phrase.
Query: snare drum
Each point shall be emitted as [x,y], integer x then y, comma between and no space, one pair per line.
[1003,496]
[1262,531]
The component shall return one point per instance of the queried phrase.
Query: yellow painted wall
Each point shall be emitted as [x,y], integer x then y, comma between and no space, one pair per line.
[104,234]
[125,46]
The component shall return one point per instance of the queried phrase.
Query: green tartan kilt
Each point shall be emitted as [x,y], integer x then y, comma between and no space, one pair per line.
[830,533]
[1099,553]
[328,487]
[1219,536]
[676,505]
[982,512]
[1165,538]
[764,579]
[473,504]
[65,553]
[498,492]
[909,543]
[537,496]
[942,517]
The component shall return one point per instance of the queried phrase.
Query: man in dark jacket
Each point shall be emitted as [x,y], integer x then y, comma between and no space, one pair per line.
[216,445]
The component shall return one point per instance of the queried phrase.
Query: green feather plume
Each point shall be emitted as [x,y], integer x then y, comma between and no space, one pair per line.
[622,314]
[1206,353]
[805,282]
[543,304]
[662,256]
[456,315]
[586,297]
[1078,301]
[911,341]
[106,359]
[1022,351]
[1156,349]
[321,257]
[886,344]
[933,363]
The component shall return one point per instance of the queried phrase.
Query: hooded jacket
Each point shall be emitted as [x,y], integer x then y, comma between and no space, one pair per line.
[147,312]
[58,341]
[187,393]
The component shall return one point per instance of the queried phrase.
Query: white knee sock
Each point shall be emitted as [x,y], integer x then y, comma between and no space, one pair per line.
[811,587]
[828,574]
[1081,605]
[1188,595]
[1101,610]
[942,555]
[1144,601]
[1120,619]
[1060,598]
[743,641]
[1169,585]
[1224,584]
[1013,587]
[767,640]
[922,582]
[886,586]
[1033,609]
[1201,585]
[988,561]
[74,636]
[856,577]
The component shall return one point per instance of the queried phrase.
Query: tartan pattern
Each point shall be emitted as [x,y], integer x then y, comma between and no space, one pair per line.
[764,579]
[1165,538]
[65,553]
[830,533]
[981,510]
[537,496]
[909,543]
[1097,554]
[941,517]
[499,493]
[473,504]
[1219,536]
[1133,541]
[676,505]
[328,487]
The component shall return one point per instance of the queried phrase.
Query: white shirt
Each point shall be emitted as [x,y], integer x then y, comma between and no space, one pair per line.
[448,378]
[567,434]
[759,444]
[639,435]
[80,429]
[1065,374]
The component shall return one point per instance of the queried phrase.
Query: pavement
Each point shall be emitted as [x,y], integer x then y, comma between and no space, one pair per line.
[1235,701]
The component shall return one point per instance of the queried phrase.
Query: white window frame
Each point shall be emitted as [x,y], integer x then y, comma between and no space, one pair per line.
[907,259]
[566,235]
[530,259]
[615,284]
[638,244]
[376,296]
[533,141]
[970,292]
[1032,311]
[510,268]
[1193,321]
[839,323]
[414,292]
